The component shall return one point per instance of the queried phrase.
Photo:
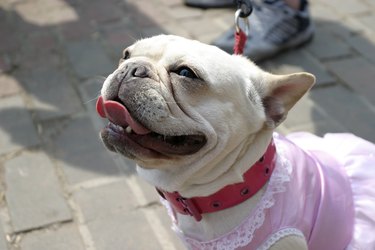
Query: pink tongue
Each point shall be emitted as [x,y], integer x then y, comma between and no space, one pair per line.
[119,115]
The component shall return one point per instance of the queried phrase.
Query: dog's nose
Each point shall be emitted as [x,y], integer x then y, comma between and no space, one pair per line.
[140,70]
[136,70]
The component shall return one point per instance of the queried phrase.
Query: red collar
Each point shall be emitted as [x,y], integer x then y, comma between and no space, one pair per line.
[254,179]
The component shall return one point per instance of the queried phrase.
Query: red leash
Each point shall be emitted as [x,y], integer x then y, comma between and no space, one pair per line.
[239,43]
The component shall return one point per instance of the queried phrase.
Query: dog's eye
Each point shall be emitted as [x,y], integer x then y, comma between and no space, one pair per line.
[126,55]
[186,72]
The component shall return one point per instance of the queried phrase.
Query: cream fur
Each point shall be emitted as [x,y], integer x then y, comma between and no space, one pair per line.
[229,110]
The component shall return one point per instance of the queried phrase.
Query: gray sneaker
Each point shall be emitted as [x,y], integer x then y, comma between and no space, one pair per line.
[274,27]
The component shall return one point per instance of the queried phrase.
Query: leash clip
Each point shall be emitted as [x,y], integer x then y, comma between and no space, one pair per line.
[245,6]
[244,9]
[237,17]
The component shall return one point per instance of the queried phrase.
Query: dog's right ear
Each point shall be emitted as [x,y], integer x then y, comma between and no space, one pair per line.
[281,93]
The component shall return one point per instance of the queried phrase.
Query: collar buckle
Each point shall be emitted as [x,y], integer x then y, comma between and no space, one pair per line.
[181,204]
[189,207]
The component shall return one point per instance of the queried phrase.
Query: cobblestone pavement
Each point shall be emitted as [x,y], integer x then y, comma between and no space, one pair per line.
[59,188]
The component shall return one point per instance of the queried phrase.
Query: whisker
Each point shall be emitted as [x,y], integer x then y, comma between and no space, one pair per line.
[93,99]
[132,37]
[172,102]
[98,78]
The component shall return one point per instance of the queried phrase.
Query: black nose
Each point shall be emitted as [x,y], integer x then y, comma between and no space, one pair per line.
[140,70]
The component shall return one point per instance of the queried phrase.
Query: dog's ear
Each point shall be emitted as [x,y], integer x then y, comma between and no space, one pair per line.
[282,92]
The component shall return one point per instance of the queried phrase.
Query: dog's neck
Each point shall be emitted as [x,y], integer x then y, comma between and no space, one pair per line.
[209,175]
[233,165]
[216,224]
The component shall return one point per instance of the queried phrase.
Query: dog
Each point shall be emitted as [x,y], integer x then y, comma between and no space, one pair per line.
[200,125]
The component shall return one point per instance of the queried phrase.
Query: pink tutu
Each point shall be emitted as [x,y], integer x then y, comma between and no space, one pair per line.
[322,189]
[357,156]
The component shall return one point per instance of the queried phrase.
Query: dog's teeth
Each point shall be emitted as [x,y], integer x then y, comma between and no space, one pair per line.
[128,129]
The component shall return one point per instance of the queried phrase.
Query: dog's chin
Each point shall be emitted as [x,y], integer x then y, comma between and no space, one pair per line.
[150,146]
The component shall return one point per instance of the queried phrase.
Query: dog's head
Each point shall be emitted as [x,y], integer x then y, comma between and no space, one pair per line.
[174,101]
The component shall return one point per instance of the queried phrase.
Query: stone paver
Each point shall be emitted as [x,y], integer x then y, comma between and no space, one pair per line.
[124,230]
[361,79]
[77,30]
[310,117]
[117,38]
[33,193]
[5,64]
[80,153]
[105,200]
[297,61]
[368,21]
[350,110]
[46,12]
[364,44]
[9,40]
[62,238]
[88,58]
[17,130]
[322,12]
[63,189]
[326,45]
[99,11]
[9,85]
[37,59]
[350,7]
[3,242]
[52,93]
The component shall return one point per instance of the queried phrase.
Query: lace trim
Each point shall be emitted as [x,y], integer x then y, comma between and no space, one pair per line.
[170,211]
[278,235]
[243,234]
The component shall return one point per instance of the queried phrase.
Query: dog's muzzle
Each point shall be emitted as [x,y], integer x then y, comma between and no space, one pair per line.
[137,113]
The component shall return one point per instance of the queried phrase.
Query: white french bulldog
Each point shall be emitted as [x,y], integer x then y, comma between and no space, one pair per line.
[196,120]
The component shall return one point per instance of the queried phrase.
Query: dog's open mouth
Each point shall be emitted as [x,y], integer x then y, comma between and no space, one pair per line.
[129,131]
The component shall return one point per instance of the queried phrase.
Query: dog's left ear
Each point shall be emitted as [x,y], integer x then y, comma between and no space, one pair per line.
[282,92]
